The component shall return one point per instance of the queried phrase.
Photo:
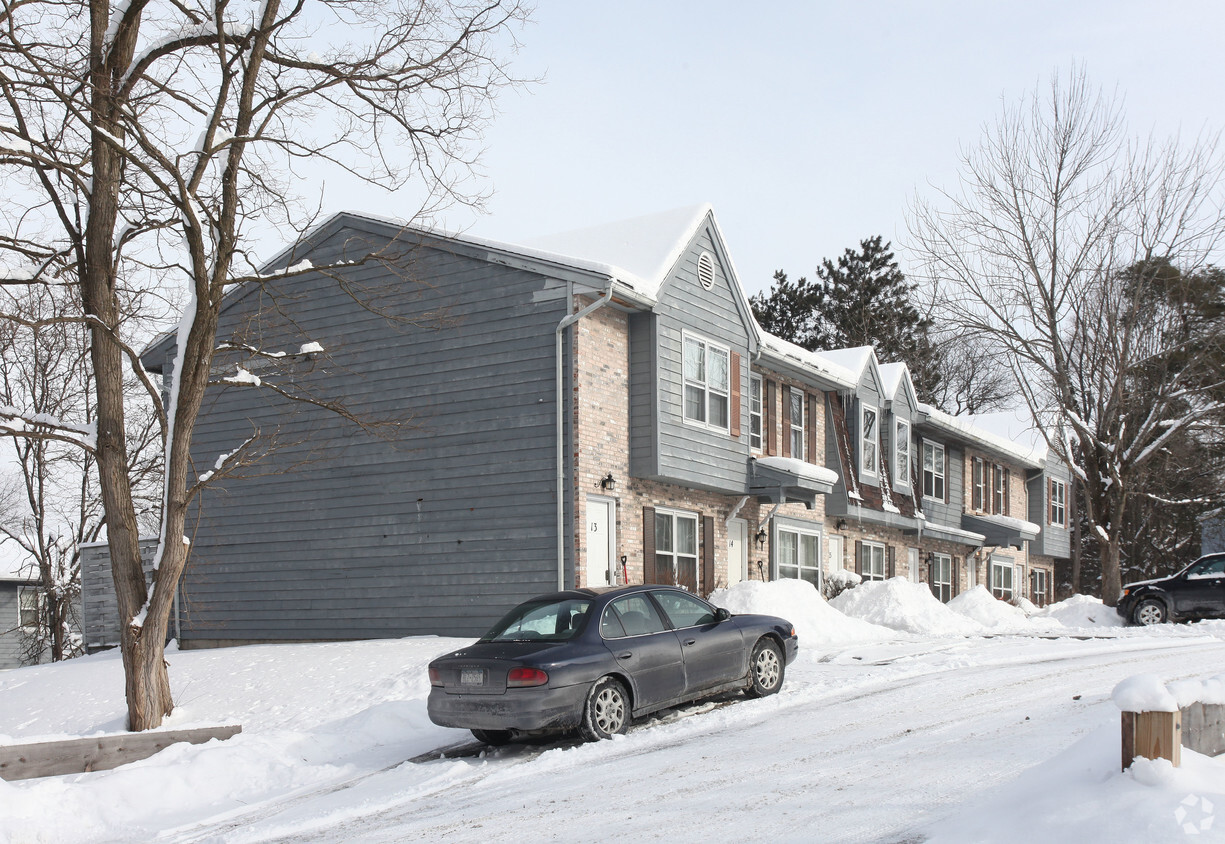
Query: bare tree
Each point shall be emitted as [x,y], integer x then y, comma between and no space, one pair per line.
[1059,225]
[974,378]
[153,140]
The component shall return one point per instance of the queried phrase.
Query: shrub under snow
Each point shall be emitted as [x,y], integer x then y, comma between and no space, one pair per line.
[980,605]
[816,622]
[901,605]
[1082,611]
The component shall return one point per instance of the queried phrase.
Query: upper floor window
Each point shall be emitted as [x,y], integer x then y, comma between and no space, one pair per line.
[27,607]
[901,453]
[795,415]
[978,484]
[869,439]
[706,383]
[933,471]
[999,498]
[1059,493]
[755,423]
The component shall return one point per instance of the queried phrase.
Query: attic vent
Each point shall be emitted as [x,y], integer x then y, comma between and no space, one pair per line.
[706,270]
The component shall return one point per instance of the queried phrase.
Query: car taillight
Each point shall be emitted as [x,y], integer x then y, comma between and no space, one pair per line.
[526,677]
[435,678]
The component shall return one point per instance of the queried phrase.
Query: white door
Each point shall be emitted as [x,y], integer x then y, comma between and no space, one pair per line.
[601,541]
[836,547]
[737,550]
[912,560]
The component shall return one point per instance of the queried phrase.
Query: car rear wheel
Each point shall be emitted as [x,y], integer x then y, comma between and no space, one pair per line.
[497,738]
[607,710]
[1150,611]
[766,668]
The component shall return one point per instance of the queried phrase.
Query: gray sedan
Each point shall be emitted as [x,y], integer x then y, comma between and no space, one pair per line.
[594,659]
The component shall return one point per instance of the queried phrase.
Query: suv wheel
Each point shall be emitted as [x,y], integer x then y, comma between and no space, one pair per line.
[1149,611]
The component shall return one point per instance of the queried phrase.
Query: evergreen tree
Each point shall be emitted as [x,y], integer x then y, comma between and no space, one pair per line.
[863,300]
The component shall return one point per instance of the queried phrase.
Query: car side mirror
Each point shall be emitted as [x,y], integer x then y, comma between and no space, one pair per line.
[721,614]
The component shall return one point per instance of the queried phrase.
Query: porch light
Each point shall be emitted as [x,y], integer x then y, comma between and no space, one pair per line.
[608,482]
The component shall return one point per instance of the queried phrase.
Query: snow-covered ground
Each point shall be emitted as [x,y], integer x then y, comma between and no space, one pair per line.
[904,721]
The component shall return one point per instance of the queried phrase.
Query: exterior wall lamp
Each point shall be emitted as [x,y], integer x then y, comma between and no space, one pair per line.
[608,482]
[761,538]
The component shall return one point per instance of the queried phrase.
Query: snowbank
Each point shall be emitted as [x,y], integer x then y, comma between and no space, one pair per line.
[1082,611]
[817,623]
[901,605]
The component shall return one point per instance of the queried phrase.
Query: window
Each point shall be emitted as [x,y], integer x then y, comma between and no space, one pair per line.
[706,383]
[999,500]
[755,393]
[1059,493]
[1040,581]
[799,556]
[871,561]
[1001,579]
[633,615]
[901,453]
[553,621]
[942,577]
[933,471]
[978,484]
[685,610]
[868,439]
[27,607]
[676,549]
[796,417]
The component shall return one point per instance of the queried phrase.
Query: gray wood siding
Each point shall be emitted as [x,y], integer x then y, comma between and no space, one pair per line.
[1053,541]
[689,454]
[945,513]
[341,534]
[99,606]
[10,631]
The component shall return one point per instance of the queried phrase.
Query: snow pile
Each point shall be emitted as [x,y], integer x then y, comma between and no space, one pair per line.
[901,605]
[977,604]
[1143,693]
[1187,692]
[816,622]
[1082,611]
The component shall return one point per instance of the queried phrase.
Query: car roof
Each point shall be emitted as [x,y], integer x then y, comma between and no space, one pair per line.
[602,591]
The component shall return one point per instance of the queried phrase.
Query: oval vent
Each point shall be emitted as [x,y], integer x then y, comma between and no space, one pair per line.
[706,270]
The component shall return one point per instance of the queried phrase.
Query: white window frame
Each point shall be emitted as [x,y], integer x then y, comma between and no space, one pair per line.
[901,453]
[997,566]
[709,391]
[942,589]
[813,563]
[671,552]
[1058,503]
[869,467]
[941,475]
[870,549]
[1041,598]
[23,610]
[796,434]
[757,389]
[999,489]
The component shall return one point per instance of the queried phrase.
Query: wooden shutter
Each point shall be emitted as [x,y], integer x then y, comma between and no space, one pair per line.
[768,417]
[648,544]
[890,563]
[955,575]
[735,395]
[708,555]
[931,571]
[858,558]
[785,426]
[811,421]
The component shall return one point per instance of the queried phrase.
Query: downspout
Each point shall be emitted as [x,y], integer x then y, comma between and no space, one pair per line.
[566,322]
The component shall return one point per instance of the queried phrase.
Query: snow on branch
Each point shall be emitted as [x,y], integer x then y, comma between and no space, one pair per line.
[47,427]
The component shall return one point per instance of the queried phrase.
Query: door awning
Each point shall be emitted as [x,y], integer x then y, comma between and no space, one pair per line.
[1000,531]
[785,480]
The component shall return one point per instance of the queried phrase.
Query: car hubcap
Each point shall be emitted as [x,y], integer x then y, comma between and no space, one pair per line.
[1149,614]
[609,711]
[767,668]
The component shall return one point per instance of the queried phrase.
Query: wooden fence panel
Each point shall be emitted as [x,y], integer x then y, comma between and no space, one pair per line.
[100,753]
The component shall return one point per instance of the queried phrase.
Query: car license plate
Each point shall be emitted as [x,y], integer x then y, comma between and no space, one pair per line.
[471,677]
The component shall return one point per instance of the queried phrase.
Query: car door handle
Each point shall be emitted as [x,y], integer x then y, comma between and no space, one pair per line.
[625,655]
[691,641]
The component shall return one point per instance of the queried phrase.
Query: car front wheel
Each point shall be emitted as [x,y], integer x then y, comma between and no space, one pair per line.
[766,668]
[607,710]
[1150,611]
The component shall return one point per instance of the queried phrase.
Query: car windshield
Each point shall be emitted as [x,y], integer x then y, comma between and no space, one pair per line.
[547,621]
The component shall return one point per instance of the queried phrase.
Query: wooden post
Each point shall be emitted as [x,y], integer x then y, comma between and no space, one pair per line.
[1152,735]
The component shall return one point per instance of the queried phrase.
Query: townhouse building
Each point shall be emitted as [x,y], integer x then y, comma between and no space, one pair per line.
[594,408]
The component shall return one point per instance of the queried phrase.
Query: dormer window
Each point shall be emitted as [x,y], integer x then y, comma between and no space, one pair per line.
[869,441]
[706,383]
[901,453]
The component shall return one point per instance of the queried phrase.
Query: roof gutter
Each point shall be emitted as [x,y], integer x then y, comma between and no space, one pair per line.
[566,322]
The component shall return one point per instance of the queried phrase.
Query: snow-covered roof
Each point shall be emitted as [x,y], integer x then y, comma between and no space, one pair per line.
[966,427]
[853,360]
[15,564]
[816,362]
[1016,426]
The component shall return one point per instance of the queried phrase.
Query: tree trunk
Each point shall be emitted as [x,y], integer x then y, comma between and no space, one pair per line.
[1112,582]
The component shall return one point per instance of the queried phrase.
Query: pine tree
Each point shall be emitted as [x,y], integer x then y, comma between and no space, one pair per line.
[863,300]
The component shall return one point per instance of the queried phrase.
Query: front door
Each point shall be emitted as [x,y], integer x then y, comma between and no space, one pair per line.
[601,541]
[737,550]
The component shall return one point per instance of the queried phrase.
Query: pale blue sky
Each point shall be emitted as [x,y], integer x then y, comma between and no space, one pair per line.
[808,125]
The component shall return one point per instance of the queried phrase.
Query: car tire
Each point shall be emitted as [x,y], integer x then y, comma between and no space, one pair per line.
[766,669]
[1149,611]
[496,738]
[606,712]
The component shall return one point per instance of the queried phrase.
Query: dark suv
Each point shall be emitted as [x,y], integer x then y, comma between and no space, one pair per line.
[1198,591]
